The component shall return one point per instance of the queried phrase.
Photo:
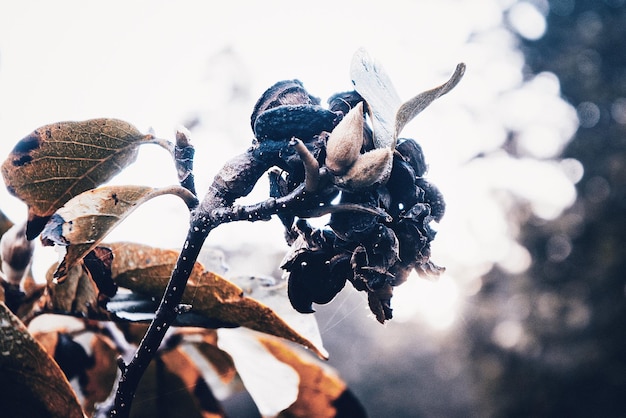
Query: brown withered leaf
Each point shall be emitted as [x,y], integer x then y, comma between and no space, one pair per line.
[102,375]
[387,112]
[59,161]
[32,384]
[78,294]
[83,222]
[202,343]
[147,270]
[321,393]
[179,363]
[5,223]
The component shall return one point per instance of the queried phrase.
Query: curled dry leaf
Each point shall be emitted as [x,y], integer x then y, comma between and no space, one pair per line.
[59,161]
[182,364]
[32,384]
[147,270]
[321,393]
[83,222]
[78,294]
[272,384]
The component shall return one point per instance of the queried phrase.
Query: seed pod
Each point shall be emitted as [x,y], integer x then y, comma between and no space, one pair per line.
[345,141]
[343,102]
[300,120]
[412,153]
[371,168]
[282,93]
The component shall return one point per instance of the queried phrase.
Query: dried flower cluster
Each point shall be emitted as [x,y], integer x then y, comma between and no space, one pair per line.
[380,203]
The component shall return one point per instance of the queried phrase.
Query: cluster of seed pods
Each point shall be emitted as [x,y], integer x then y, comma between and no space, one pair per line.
[380,230]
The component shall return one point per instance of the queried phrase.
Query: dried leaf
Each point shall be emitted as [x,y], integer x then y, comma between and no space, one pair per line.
[179,363]
[321,393]
[102,375]
[372,82]
[59,161]
[215,365]
[273,293]
[412,107]
[78,294]
[5,223]
[272,384]
[370,169]
[16,253]
[83,222]
[32,384]
[388,114]
[147,270]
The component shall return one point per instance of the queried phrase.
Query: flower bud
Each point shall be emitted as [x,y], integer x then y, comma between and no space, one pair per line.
[371,168]
[345,141]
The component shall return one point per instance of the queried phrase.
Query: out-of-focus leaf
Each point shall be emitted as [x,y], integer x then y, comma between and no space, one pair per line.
[77,294]
[272,384]
[59,161]
[147,270]
[321,393]
[179,363]
[5,223]
[215,365]
[32,384]
[102,375]
[412,107]
[273,293]
[373,84]
[83,222]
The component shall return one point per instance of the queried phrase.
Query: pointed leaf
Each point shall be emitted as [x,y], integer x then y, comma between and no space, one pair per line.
[412,107]
[373,84]
[83,222]
[147,270]
[59,161]
[32,383]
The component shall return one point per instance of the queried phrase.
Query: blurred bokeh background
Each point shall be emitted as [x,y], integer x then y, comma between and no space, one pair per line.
[529,151]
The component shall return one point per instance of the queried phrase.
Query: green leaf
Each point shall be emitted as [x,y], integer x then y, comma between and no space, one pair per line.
[32,383]
[84,221]
[59,161]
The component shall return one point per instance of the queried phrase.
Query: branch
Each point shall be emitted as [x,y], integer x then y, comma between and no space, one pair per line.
[236,178]
[183,157]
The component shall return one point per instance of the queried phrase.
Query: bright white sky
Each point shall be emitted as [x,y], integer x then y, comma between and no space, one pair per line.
[158,63]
